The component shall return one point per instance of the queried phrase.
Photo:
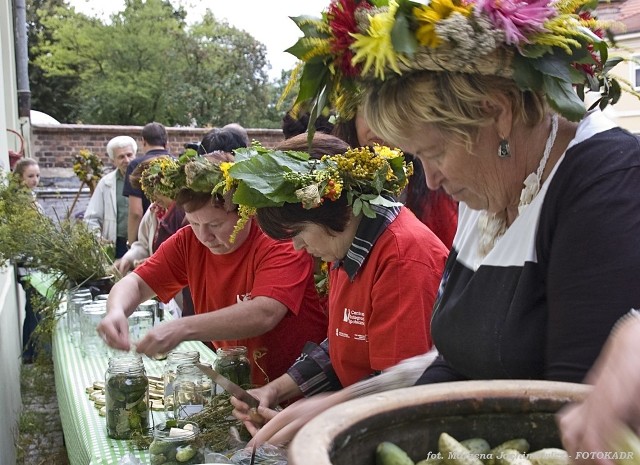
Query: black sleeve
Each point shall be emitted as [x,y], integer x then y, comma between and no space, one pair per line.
[589,242]
[127,188]
[439,372]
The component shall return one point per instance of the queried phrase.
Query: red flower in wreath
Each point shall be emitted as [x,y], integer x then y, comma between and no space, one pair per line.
[341,16]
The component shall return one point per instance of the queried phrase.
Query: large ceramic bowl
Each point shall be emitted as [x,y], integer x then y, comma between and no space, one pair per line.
[413,418]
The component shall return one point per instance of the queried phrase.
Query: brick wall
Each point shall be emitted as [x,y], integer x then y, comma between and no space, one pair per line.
[55,145]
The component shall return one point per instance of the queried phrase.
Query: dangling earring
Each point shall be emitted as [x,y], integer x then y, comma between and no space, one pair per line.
[504,151]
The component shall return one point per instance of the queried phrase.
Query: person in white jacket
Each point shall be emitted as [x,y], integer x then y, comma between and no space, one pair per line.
[145,245]
[108,209]
[141,249]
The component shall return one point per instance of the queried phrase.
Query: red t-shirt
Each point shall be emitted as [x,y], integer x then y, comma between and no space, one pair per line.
[384,315]
[440,214]
[259,267]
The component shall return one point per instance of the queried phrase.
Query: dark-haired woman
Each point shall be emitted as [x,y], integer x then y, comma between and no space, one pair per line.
[383,282]
[436,208]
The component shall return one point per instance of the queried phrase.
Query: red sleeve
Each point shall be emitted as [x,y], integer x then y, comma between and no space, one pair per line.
[283,274]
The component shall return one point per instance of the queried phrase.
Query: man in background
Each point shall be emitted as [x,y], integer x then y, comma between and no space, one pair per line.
[154,144]
[108,210]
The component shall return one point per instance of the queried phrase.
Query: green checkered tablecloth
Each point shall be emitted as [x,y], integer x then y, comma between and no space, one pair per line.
[85,431]
[42,282]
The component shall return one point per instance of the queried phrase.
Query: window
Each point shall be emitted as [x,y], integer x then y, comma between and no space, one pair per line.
[635,71]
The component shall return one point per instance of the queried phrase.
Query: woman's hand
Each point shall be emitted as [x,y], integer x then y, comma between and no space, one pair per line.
[283,427]
[122,266]
[598,424]
[161,339]
[114,330]
[253,419]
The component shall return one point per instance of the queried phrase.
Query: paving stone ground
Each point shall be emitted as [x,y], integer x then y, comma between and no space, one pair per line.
[40,439]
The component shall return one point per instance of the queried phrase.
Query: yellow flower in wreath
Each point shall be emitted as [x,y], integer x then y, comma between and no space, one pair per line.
[430,15]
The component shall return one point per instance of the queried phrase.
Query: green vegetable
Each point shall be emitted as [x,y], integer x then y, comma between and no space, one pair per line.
[158,459]
[184,453]
[550,456]
[521,445]
[627,444]
[476,446]
[454,453]
[387,453]
[159,447]
[431,461]
[511,457]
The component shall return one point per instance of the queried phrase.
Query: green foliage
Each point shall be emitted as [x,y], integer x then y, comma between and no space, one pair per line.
[147,64]
[54,96]
[64,248]
[270,178]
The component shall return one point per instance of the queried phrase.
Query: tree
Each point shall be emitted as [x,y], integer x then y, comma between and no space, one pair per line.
[122,66]
[50,95]
[226,79]
[147,64]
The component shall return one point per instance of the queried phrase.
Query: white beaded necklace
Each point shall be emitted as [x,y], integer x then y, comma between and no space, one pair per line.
[493,225]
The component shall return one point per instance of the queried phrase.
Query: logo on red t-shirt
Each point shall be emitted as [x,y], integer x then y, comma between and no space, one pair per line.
[243,297]
[353,317]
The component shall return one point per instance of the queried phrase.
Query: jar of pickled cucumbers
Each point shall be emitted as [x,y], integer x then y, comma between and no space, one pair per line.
[233,364]
[176,441]
[126,397]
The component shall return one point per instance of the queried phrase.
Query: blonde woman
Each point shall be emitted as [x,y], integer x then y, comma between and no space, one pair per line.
[27,174]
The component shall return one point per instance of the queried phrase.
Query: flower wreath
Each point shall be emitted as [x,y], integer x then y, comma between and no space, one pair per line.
[543,45]
[262,177]
[168,176]
[88,167]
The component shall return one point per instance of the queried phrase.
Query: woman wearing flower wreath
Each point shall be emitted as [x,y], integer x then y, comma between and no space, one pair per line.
[482,92]
[247,289]
[436,209]
[385,264]
[161,220]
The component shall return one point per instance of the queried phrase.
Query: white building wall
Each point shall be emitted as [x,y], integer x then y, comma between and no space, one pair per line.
[627,111]
[10,326]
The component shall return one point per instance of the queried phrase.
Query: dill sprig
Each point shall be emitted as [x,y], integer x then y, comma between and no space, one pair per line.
[216,422]
[64,248]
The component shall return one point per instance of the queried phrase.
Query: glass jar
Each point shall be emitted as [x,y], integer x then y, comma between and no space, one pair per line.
[126,397]
[91,342]
[140,322]
[75,300]
[150,306]
[191,391]
[174,359]
[233,364]
[176,441]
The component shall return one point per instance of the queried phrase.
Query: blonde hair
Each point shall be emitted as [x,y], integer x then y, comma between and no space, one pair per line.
[458,104]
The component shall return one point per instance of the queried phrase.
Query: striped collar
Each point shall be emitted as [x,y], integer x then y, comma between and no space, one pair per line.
[369,230]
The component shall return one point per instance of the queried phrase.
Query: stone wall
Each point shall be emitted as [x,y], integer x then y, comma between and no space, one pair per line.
[54,146]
